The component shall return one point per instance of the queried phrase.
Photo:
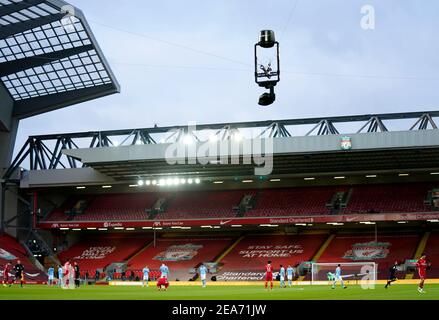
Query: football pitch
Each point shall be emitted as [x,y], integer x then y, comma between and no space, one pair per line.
[245,292]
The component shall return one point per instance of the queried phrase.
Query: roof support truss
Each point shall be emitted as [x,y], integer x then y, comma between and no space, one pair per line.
[19,27]
[46,152]
[423,122]
[324,127]
[18,6]
[375,124]
[15,66]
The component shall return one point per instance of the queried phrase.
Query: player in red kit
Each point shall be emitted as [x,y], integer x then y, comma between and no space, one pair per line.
[162,283]
[6,270]
[269,275]
[422,266]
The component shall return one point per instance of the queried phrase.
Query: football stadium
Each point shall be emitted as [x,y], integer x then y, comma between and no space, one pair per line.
[342,207]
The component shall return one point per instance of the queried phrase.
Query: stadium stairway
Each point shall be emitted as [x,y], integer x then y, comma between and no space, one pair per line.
[419,250]
[135,254]
[227,251]
[319,252]
[224,253]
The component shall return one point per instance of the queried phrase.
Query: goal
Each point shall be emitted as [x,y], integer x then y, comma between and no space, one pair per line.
[362,273]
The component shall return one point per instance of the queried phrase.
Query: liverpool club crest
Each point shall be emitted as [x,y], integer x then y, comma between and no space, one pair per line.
[179,252]
[346,143]
[368,251]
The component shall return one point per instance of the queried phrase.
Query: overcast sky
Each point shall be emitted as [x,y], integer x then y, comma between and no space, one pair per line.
[180,61]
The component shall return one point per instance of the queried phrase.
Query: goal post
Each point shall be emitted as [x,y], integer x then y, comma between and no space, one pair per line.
[362,273]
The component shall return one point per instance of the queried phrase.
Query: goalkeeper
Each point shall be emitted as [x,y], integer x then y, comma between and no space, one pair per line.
[331,276]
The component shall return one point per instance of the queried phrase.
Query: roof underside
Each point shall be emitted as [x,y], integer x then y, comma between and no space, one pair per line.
[221,150]
[319,163]
[49,58]
[381,151]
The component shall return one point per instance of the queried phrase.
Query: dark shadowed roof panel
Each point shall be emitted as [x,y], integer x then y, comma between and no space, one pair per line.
[48,55]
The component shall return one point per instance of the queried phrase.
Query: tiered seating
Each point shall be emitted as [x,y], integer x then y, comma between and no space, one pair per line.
[98,252]
[11,251]
[59,213]
[297,201]
[180,254]
[292,201]
[247,260]
[205,204]
[120,207]
[113,207]
[355,248]
[388,198]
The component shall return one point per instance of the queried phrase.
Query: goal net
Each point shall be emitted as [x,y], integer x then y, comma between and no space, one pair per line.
[362,273]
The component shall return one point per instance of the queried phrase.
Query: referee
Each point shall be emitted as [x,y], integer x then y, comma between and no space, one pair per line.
[19,272]
[392,274]
[77,275]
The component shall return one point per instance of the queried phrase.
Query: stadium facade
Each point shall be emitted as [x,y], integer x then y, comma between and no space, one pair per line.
[230,195]
[117,200]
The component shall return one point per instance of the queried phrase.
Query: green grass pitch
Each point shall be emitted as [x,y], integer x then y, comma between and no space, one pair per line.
[396,292]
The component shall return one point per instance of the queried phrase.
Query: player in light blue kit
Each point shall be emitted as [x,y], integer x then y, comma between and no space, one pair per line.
[338,277]
[282,276]
[164,270]
[203,274]
[145,276]
[60,275]
[291,273]
[50,274]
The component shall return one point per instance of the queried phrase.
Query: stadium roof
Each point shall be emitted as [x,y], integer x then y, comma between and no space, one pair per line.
[406,150]
[49,58]
[145,153]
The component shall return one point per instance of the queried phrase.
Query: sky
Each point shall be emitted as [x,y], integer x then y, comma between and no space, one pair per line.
[192,61]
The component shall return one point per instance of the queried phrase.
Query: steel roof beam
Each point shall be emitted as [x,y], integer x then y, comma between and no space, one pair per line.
[18,6]
[29,107]
[15,66]
[423,122]
[254,124]
[20,27]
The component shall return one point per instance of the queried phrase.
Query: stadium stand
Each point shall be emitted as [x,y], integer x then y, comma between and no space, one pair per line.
[11,251]
[110,207]
[120,206]
[180,255]
[292,201]
[63,212]
[248,258]
[388,198]
[358,248]
[205,204]
[392,198]
[98,252]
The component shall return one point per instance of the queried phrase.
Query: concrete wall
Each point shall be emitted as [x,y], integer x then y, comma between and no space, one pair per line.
[8,128]
[6,107]
[11,208]
[60,177]
[8,132]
